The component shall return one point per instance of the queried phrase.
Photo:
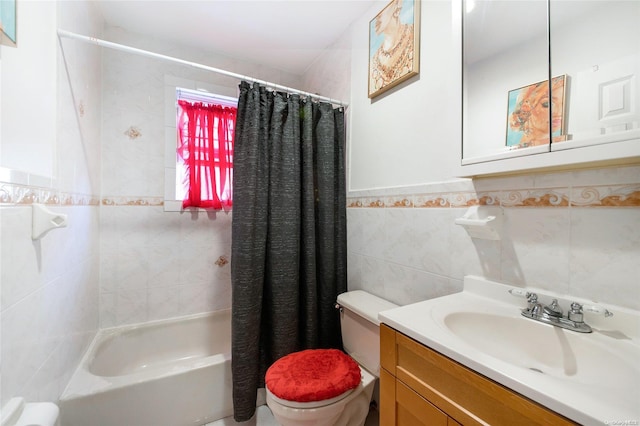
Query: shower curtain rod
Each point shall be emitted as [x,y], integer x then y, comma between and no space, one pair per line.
[116,46]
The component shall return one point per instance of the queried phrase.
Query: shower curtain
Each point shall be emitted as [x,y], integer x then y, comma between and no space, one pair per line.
[288,234]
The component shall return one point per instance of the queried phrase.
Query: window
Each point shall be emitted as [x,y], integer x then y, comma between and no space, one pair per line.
[205,131]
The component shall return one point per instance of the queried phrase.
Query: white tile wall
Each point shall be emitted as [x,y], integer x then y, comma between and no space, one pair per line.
[556,235]
[49,307]
[612,271]
[535,248]
[49,300]
[156,263]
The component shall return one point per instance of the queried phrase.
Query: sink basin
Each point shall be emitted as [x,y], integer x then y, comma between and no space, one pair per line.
[543,348]
[591,378]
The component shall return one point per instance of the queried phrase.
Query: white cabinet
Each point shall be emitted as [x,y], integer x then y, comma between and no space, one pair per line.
[513,122]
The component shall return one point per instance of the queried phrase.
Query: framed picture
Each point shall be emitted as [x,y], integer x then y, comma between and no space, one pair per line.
[529,114]
[8,22]
[394,45]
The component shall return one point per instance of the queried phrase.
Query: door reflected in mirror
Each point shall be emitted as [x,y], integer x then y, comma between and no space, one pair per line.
[597,44]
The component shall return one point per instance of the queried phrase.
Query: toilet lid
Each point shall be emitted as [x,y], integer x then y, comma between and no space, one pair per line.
[313,375]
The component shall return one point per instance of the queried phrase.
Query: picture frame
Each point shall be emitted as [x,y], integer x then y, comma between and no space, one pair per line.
[8,20]
[528,115]
[394,45]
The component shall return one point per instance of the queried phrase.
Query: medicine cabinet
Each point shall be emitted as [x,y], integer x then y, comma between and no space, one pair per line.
[531,63]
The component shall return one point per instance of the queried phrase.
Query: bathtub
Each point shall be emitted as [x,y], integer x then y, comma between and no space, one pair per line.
[163,373]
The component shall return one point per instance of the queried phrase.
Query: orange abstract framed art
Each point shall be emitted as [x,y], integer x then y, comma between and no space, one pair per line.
[531,110]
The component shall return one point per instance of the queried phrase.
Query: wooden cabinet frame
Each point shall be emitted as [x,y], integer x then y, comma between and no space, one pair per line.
[458,393]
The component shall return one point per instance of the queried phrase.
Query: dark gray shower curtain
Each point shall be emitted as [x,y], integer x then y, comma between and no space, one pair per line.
[289,233]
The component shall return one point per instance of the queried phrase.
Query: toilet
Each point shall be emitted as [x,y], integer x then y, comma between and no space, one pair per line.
[18,412]
[337,399]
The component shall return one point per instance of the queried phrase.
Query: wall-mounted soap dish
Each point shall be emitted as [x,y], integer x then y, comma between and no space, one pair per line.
[484,222]
[44,220]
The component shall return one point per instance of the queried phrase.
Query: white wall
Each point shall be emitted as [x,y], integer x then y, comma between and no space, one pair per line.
[405,136]
[330,74]
[49,308]
[25,145]
[571,232]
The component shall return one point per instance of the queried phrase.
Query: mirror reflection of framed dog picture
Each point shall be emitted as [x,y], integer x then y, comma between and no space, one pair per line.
[529,110]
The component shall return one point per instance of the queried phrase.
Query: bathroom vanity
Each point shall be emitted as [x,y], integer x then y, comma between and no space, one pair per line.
[419,386]
[472,358]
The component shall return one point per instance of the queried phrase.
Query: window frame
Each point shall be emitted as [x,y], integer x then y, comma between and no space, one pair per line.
[172,85]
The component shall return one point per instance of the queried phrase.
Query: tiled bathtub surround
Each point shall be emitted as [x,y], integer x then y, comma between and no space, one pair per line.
[576,233]
[49,300]
[156,264]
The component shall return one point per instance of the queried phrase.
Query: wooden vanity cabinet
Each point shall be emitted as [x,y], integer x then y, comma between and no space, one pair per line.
[419,386]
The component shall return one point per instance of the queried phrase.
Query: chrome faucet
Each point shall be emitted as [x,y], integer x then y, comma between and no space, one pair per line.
[552,314]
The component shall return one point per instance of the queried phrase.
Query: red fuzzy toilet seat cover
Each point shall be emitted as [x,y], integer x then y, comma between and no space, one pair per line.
[313,375]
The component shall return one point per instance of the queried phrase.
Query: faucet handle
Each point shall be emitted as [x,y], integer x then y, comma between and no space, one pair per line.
[533,307]
[575,314]
[553,309]
[532,298]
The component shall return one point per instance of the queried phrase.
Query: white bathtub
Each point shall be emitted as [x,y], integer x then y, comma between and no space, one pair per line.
[165,373]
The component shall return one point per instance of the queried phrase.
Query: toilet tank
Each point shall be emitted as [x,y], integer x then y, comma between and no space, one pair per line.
[361,327]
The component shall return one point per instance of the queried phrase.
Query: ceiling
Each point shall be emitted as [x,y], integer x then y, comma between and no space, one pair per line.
[284,34]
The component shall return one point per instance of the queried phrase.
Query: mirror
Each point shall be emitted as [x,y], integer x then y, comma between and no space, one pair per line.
[591,48]
[505,49]
[596,43]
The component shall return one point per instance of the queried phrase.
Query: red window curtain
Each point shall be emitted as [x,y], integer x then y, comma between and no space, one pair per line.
[206,134]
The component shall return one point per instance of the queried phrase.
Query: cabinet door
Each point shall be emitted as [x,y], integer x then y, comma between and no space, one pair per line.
[401,406]
[463,394]
[413,410]
[387,398]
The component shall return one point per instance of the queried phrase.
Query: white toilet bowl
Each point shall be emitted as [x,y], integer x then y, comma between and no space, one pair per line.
[349,409]
[18,412]
[361,340]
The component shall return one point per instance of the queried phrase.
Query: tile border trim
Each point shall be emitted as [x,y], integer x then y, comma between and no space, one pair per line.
[12,194]
[579,196]
[612,196]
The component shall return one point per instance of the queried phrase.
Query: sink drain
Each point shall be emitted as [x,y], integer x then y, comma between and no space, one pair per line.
[536,370]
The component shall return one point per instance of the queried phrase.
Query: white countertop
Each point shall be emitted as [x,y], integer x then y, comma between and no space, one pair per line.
[598,389]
